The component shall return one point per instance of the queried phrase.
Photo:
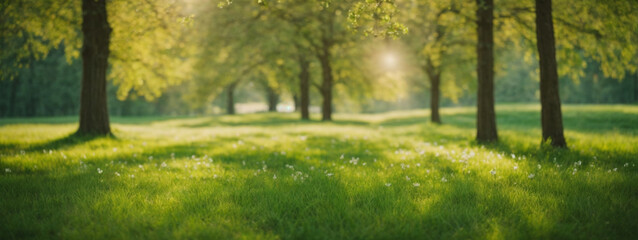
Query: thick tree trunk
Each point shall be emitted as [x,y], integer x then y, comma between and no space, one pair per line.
[230,98]
[551,116]
[273,99]
[94,117]
[434,76]
[304,87]
[485,116]
[326,86]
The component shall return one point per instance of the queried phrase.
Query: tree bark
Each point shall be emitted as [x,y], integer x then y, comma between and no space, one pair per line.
[434,76]
[230,98]
[94,117]
[551,115]
[304,87]
[326,85]
[485,116]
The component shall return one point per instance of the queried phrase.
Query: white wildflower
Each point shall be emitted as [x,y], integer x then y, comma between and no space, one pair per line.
[117,174]
[443,179]
[274,176]
[530,176]
[515,167]
[493,172]
[388,184]
[7,170]
[99,171]
[416,184]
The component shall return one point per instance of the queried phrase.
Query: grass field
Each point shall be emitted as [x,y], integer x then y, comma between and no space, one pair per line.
[271,176]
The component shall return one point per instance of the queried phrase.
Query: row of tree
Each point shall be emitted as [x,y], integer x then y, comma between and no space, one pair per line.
[333,47]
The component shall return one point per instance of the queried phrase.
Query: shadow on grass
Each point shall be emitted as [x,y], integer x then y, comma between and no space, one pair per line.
[78,204]
[56,144]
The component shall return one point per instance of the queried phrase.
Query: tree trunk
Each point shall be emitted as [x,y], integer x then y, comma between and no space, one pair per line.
[434,98]
[485,116]
[273,99]
[94,117]
[551,116]
[435,79]
[230,98]
[304,87]
[326,86]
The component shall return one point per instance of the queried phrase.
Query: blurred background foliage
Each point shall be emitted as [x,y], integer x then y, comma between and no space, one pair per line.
[186,57]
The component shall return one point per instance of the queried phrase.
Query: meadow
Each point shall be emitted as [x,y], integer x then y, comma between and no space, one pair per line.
[363,176]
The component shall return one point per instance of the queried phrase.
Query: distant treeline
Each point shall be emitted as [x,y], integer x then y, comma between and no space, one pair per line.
[51,87]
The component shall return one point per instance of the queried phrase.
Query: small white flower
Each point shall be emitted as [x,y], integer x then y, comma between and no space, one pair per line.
[493,172]
[163,164]
[443,179]
[530,176]
[615,169]
[329,174]
[416,184]
[515,167]
[99,171]
[407,178]
[539,166]
[274,176]
[388,184]
[117,174]
[7,170]
[132,176]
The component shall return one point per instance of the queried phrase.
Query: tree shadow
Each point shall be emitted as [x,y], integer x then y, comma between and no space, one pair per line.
[56,144]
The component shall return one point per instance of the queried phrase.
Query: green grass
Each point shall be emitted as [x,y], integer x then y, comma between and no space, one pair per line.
[214,177]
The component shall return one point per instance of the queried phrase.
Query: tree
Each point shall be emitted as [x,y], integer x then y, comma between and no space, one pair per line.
[135,43]
[441,40]
[602,31]
[551,116]
[94,116]
[485,116]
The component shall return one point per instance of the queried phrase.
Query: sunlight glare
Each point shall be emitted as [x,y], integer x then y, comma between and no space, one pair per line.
[390,60]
